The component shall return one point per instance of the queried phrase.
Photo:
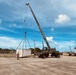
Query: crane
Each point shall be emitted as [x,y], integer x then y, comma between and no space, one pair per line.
[44,54]
[39,26]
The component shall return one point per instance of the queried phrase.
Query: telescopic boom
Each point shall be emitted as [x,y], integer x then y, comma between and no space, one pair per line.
[38,26]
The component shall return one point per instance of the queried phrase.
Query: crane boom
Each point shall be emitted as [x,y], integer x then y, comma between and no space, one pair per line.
[39,26]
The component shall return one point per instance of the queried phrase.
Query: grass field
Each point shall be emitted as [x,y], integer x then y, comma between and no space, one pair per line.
[66,65]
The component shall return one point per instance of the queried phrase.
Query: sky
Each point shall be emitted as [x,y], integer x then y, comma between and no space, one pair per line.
[57,19]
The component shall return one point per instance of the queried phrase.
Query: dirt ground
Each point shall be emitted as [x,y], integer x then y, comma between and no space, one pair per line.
[66,65]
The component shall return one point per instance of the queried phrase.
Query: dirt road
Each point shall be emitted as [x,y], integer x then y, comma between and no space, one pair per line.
[66,65]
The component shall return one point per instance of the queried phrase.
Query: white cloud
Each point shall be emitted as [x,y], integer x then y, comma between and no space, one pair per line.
[62,18]
[64,46]
[55,43]
[50,39]
[0,21]
[7,42]
[52,29]
[7,30]
[61,46]
[67,7]
[16,26]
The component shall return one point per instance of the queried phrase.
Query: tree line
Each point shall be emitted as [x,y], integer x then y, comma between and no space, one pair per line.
[36,50]
[7,50]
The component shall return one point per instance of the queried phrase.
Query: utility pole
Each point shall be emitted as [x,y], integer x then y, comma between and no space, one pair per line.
[70,48]
[75,49]
[34,46]
[42,45]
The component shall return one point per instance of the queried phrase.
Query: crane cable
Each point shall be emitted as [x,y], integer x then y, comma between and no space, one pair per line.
[26,18]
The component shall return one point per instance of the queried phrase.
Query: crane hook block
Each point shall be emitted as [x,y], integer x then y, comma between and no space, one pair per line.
[27,3]
[25,32]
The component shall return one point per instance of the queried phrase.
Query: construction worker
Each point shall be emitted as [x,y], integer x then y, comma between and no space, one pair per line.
[18,56]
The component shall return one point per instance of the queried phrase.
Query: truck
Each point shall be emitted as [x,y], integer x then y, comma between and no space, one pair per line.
[72,53]
[49,50]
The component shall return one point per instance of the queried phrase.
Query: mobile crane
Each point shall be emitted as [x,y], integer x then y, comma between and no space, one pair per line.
[53,52]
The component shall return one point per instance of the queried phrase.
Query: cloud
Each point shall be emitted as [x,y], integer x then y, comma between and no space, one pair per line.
[16,26]
[50,39]
[64,45]
[7,42]
[55,43]
[7,30]
[61,45]
[52,29]
[0,21]
[18,10]
[62,18]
